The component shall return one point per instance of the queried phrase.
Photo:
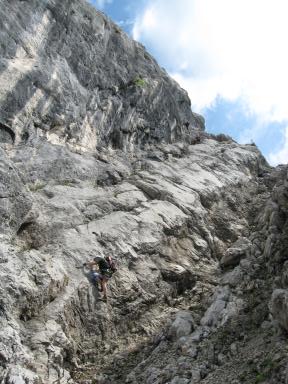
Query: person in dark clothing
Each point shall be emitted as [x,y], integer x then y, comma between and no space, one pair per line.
[101,270]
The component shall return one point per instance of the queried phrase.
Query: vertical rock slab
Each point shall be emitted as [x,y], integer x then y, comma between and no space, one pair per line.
[15,202]
[279,307]
[70,74]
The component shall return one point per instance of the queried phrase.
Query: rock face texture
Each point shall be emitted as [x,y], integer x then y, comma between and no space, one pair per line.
[69,74]
[101,155]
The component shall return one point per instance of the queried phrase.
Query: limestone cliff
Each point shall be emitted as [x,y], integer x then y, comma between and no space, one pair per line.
[69,74]
[101,155]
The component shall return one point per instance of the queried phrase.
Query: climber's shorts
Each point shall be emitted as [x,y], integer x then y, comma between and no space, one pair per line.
[95,276]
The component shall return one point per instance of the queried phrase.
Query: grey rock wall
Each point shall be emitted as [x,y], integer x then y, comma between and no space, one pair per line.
[239,332]
[15,202]
[71,75]
[166,214]
[101,155]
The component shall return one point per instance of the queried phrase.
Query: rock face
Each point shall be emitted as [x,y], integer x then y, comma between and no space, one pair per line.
[69,74]
[101,155]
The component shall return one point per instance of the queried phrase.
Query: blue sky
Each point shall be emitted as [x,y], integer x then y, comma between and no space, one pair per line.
[229,55]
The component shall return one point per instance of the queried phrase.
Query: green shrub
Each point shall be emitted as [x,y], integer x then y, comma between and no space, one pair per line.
[66,280]
[66,183]
[260,377]
[140,82]
[36,186]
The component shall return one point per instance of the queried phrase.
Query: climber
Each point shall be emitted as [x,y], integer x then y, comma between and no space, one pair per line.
[101,270]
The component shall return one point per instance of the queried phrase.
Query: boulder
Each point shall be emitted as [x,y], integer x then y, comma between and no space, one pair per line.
[234,254]
[183,325]
[279,307]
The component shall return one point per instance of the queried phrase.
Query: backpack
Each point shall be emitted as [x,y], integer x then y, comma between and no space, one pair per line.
[107,267]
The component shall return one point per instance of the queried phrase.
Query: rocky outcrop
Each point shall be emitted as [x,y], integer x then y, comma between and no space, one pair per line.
[15,203]
[166,219]
[279,306]
[101,155]
[72,76]
[234,254]
[234,337]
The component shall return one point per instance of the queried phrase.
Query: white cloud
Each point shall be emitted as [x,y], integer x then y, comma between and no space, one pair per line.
[232,49]
[100,4]
[280,157]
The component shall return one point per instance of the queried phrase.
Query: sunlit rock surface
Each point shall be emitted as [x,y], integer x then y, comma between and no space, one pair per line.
[70,75]
[101,155]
